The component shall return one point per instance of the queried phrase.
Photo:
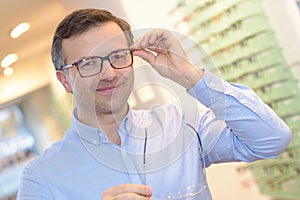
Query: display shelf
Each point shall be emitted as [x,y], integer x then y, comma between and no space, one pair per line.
[239,38]
[244,50]
[293,122]
[189,8]
[216,9]
[17,148]
[280,177]
[288,106]
[266,76]
[202,33]
[252,64]
[248,28]
[10,179]
[278,91]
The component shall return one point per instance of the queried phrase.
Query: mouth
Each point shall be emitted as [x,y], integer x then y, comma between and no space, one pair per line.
[108,90]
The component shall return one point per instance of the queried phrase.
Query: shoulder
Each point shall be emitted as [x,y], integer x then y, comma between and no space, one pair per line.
[56,157]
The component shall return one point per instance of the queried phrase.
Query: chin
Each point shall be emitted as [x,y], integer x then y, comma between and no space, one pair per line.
[116,104]
[107,108]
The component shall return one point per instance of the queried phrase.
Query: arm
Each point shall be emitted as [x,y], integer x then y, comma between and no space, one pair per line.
[250,129]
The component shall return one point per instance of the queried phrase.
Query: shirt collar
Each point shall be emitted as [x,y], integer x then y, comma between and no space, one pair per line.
[88,133]
[94,135]
[134,123]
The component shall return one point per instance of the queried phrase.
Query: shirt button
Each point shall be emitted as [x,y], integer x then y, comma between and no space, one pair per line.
[123,153]
[212,85]
[101,135]
[95,141]
[243,101]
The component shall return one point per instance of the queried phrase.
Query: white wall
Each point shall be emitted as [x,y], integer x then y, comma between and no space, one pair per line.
[284,17]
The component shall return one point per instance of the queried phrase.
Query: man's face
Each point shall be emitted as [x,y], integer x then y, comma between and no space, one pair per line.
[108,91]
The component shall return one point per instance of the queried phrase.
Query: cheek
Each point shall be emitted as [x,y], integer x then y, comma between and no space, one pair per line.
[128,74]
[128,82]
[84,86]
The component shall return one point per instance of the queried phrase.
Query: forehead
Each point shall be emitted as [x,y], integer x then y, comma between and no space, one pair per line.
[98,41]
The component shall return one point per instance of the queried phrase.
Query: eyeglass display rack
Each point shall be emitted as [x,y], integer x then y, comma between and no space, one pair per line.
[17,149]
[237,36]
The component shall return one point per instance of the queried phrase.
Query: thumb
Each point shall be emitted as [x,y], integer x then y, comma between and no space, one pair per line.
[145,55]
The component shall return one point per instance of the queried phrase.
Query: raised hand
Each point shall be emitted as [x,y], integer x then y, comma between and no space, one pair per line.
[164,52]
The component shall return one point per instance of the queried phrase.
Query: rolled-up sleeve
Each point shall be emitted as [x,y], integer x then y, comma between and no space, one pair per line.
[251,129]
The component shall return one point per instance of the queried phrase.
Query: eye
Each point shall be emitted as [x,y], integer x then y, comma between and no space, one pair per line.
[89,63]
[120,55]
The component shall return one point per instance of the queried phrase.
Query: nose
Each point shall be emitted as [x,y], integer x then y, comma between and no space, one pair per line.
[108,73]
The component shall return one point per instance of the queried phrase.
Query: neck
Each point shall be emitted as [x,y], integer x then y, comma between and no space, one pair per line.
[108,122]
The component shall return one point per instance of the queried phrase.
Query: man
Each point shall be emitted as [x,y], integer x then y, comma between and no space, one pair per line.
[114,152]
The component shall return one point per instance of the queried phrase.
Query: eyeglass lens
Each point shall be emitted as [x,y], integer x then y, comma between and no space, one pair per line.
[93,65]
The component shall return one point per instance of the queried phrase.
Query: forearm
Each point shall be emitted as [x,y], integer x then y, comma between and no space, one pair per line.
[253,129]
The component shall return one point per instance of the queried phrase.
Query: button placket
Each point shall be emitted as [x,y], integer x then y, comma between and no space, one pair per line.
[129,163]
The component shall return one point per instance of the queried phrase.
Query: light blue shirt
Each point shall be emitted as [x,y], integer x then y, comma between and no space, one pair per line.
[237,126]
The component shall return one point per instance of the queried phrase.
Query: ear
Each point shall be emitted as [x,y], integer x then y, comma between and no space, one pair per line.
[64,81]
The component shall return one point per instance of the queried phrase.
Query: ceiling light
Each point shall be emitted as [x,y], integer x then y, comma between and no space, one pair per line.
[9,59]
[8,71]
[20,29]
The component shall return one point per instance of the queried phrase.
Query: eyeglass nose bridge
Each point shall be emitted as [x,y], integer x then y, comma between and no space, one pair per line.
[104,67]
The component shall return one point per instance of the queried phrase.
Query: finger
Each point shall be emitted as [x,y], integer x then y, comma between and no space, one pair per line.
[145,55]
[131,196]
[148,39]
[153,38]
[141,43]
[129,188]
[157,50]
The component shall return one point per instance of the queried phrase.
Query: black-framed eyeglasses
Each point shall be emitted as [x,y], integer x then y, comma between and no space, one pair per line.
[93,65]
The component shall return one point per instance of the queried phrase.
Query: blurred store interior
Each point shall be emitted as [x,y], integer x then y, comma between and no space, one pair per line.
[35,110]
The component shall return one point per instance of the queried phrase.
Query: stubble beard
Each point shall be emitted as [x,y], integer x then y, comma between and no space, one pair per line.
[116,102]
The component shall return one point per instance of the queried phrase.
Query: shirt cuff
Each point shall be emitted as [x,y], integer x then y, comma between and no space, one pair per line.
[209,91]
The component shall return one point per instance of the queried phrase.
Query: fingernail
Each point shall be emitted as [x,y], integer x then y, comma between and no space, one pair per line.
[148,191]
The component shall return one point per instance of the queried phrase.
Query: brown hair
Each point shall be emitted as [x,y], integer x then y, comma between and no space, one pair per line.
[79,22]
